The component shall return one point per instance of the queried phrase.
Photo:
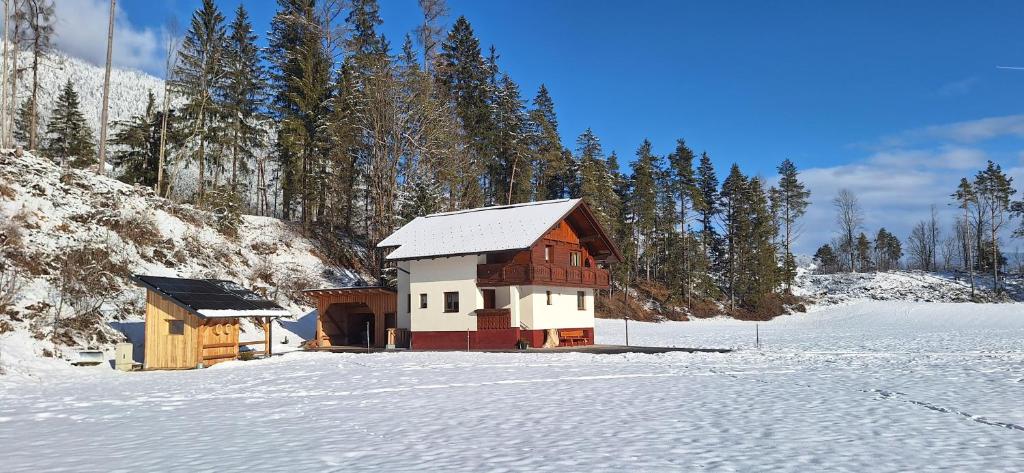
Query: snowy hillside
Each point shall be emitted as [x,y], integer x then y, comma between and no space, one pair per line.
[128,88]
[914,286]
[75,241]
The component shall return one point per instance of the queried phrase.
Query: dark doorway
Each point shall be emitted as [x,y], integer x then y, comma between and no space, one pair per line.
[489,299]
[347,324]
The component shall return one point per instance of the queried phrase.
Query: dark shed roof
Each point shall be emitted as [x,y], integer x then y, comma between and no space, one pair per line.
[212,297]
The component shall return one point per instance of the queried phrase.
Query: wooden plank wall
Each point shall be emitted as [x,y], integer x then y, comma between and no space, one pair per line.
[563,239]
[163,350]
[379,302]
[220,331]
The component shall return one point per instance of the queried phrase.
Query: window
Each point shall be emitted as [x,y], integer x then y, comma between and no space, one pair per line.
[548,253]
[549,297]
[423,301]
[451,302]
[176,327]
[408,303]
[574,258]
[581,300]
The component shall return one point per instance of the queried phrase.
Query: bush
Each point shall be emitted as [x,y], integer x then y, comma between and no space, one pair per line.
[87,278]
[11,284]
[225,208]
[137,228]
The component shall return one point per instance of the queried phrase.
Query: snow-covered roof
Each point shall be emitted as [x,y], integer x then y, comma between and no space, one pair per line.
[474,231]
[212,297]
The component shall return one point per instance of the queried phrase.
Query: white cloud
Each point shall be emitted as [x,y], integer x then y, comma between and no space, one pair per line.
[970,131]
[81,31]
[958,87]
[895,189]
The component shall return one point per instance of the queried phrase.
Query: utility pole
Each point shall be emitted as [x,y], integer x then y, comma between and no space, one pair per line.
[106,93]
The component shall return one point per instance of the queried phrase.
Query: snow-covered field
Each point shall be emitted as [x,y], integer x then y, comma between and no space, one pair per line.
[879,386]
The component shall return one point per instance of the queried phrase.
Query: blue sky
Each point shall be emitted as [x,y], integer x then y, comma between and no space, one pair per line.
[895,100]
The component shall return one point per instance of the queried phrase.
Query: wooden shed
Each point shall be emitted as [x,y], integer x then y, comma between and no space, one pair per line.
[361,316]
[193,323]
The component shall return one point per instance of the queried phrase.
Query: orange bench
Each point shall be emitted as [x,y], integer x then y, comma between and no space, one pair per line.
[573,337]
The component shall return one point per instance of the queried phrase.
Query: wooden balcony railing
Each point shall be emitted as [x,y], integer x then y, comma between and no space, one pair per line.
[493,319]
[504,274]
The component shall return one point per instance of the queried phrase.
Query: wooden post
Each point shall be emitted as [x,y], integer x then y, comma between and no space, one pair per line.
[319,322]
[201,340]
[267,327]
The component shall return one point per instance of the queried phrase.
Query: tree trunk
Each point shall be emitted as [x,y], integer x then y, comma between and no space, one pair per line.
[995,249]
[163,142]
[14,85]
[35,94]
[4,115]
[201,188]
[101,164]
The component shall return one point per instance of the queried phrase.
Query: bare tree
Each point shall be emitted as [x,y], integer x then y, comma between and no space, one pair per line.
[4,114]
[850,219]
[933,234]
[18,36]
[919,247]
[949,252]
[430,32]
[170,61]
[38,16]
[967,199]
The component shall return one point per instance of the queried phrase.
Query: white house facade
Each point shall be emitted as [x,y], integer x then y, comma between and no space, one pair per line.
[497,277]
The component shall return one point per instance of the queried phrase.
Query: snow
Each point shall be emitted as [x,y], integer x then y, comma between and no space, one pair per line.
[488,229]
[243,313]
[83,210]
[128,88]
[864,385]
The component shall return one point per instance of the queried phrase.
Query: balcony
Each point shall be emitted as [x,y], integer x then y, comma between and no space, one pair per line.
[508,274]
[493,319]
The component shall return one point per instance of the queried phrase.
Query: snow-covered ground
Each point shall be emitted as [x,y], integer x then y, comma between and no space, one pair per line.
[880,386]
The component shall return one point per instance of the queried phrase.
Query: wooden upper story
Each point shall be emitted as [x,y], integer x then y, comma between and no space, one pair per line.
[562,257]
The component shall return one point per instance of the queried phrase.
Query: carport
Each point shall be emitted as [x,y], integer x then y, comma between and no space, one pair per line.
[353,316]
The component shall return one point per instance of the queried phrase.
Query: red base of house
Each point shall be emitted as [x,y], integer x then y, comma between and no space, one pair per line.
[500,339]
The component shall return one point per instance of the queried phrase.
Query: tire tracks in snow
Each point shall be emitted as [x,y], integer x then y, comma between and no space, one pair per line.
[895,396]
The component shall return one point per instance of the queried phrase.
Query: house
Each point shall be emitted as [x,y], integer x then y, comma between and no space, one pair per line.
[194,323]
[482,278]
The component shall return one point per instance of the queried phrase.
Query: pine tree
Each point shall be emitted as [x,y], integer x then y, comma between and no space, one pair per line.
[199,76]
[888,250]
[826,259]
[513,180]
[596,184]
[684,188]
[301,85]
[242,95]
[791,199]
[464,75]
[67,134]
[707,207]
[23,122]
[758,267]
[994,190]
[643,201]
[736,225]
[864,253]
[551,171]
[138,144]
